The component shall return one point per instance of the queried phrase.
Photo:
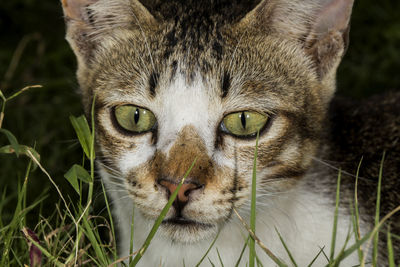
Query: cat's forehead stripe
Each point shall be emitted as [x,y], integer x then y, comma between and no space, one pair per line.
[226,83]
[153,82]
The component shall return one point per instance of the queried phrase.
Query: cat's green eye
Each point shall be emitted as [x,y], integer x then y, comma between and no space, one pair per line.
[244,123]
[134,119]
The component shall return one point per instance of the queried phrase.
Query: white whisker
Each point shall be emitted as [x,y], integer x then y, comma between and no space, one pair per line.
[336,168]
[113,202]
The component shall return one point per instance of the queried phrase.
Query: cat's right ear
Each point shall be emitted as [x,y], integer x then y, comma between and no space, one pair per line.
[320,26]
[89,22]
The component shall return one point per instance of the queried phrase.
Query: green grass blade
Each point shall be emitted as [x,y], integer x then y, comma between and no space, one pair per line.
[89,232]
[75,173]
[131,239]
[23,90]
[16,257]
[335,218]
[12,139]
[3,97]
[208,250]
[325,256]
[19,213]
[219,257]
[316,257]
[160,218]
[356,222]
[350,250]
[95,262]
[4,200]
[241,253]
[3,106]
[260,244]
[259,263]
[348,236]
[252,245]
[397,237]
[286,248]
[22,150]
[376,228]
[71,257]
[86,139]
[377,214]
[212,264]
[18,218]
[390,250]
[82,130]
[91,149]
[111,218]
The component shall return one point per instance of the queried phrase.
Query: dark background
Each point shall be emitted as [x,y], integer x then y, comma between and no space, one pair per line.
[39,117]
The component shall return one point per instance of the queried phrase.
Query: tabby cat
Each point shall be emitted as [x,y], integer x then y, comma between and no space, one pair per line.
[181,80]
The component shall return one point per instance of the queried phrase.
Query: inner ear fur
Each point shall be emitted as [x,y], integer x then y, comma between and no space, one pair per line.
[321,27]
[91,21]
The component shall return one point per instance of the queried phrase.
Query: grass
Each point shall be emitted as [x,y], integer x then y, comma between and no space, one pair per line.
[71,235]
[252,246]
[160,218]
[356,217]
[377,213]
[335,219]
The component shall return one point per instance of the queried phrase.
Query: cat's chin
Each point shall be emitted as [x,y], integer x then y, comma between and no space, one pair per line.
[187,231]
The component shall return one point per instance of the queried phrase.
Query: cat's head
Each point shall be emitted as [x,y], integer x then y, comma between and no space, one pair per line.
[177,81]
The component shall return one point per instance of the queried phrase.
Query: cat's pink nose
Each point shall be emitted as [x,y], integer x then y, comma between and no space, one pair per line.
[184,191]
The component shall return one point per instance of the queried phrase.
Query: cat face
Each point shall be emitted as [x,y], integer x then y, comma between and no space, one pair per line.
[189,104]
[197,89]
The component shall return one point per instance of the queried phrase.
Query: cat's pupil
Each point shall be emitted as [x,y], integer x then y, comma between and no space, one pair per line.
[136,116]
[243,120]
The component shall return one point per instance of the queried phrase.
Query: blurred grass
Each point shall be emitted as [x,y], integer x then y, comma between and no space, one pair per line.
[39,117]
[372,62]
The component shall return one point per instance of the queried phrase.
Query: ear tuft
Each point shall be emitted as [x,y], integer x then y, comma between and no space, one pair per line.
[74,10]
[335,16]
[89,22]
[327,53]
[319,26]
[329,36]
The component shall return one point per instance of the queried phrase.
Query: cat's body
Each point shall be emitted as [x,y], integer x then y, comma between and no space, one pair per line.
[177,81]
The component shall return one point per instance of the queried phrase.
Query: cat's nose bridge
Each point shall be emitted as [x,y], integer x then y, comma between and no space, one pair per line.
[186,149]
[185,105]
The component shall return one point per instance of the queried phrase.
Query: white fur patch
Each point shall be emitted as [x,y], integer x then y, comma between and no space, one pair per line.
[182,104]
[303,219]
[141,154]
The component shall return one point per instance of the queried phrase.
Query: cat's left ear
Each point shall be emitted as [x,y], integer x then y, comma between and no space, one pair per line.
[92,22]
[321,27]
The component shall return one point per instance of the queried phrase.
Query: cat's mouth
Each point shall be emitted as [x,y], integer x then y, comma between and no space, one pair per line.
[184,222]
[183,230]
